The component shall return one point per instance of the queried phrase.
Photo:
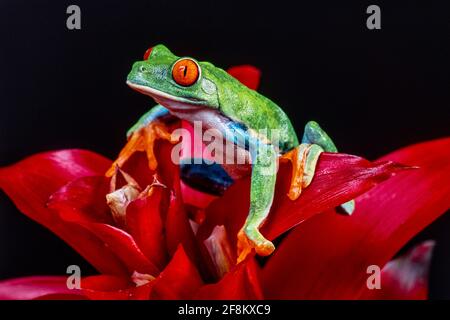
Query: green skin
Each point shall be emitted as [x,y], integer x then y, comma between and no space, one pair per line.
[222,102]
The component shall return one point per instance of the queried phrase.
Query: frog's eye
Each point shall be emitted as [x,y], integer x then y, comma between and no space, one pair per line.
[185,72]
[147,53]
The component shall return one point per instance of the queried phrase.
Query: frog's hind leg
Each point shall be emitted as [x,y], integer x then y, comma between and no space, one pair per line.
[304,160]
[263,178]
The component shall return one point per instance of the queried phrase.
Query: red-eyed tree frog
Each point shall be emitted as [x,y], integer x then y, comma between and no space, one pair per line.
[190,90]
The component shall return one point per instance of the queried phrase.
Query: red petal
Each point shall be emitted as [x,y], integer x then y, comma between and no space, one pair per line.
[247,74]
[30,182]
[327,256]
[83,199]
[144,222]
[195,197]
[104,287]
[241,283]
[229,211]
[338,178]
[179,280]
[176,222]
[82,203]
[179,231]
[218,247]
[137,167]
[406,277]
[124,247]
[37,288]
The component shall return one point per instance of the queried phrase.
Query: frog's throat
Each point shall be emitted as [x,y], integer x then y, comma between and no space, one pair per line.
[167,100]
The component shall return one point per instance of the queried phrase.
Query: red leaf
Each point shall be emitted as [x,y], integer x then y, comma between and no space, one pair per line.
[218,247]
[327,256]
[144,222]
[38,287]
[178,229]
[83,199]
[124,247]
[241,283]
[104,287]
[179,280]
[406,277]
[229,211]
[30,182]
[247,75]
[179,232]
[137,167]
[338,178]
[82,202]
[168,171]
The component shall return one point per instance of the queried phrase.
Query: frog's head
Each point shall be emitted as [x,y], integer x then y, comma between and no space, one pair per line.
[174,82]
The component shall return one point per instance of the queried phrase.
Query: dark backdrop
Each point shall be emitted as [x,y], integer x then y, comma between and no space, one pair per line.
[373,91]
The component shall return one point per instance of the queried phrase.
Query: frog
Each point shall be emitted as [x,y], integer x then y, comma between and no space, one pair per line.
[187,89]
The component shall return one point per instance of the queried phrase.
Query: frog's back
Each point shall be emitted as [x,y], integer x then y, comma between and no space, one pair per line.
[257,113]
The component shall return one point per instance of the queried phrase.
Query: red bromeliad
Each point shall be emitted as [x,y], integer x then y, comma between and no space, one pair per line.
[152,237]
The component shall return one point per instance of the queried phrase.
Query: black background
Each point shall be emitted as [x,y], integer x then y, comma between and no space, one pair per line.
[372,90]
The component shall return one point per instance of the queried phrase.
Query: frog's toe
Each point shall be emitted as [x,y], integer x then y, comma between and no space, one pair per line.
[249,239]
[135,143]
[304,160]
[264,248]
[312,157]
[143,140]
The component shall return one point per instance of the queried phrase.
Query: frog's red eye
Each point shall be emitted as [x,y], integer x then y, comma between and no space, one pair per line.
[147,53]
[185,72]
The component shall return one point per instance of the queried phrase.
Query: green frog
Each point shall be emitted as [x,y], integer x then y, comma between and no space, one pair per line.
[187,89]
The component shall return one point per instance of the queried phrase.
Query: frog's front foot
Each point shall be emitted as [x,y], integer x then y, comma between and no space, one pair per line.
[303,159]
[250,238]
[143,140]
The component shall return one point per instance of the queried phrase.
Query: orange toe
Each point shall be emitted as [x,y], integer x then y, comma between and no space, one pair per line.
[143,140]
[265,249]
[244,246]
[297,157]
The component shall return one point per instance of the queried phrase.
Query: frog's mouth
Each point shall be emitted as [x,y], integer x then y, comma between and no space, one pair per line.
[167,100]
